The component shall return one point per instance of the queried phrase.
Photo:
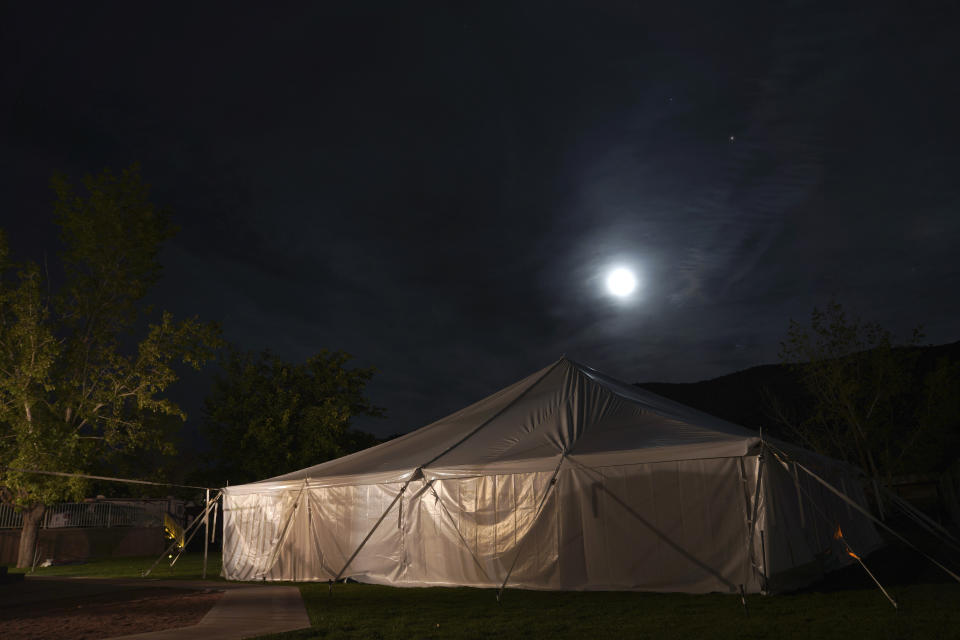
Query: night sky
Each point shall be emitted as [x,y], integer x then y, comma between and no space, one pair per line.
[440,189]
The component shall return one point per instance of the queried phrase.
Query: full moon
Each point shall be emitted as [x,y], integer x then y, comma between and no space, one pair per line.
[621,282]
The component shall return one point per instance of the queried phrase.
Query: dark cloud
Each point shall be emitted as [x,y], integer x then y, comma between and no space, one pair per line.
[440,190]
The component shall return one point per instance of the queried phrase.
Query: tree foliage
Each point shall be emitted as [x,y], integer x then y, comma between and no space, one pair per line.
[871,403]
[265,416]
[76,383]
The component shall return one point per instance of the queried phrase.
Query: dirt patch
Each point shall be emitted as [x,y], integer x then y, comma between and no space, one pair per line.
[107,615]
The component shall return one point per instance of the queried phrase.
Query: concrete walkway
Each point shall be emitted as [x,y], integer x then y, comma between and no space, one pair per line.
[244,611]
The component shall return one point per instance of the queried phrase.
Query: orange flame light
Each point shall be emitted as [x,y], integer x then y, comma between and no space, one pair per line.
[839,534]
[853,555]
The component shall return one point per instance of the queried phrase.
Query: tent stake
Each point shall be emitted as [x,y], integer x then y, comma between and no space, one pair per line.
[743,601]
[839,536]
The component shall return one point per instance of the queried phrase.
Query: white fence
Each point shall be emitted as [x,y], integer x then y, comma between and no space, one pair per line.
[102,513]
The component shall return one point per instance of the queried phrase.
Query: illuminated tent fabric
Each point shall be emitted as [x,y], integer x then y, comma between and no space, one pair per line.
[567,479]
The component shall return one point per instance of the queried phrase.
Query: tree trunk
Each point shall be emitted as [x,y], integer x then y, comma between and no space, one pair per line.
[28,535]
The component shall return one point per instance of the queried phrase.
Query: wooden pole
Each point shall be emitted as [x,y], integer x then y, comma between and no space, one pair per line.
[206,532]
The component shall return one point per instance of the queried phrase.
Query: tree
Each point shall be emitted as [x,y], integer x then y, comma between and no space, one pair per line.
[936,439]
[76,386]
[265,416]
[872,403]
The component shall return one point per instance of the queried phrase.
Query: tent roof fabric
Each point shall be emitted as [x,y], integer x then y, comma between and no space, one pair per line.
[564,409]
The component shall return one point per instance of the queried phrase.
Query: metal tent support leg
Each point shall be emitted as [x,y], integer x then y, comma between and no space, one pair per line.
[206,532]
[755,513]
[192,526]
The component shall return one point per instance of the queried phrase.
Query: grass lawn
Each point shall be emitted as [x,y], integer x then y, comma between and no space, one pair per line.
[188,567]
[928,611]
[848,608]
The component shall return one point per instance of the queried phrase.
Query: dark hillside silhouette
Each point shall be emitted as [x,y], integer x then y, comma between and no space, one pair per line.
[743,397]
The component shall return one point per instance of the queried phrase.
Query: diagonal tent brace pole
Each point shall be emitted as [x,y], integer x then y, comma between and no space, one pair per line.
[660,534]
[213,530]
[193,525]
[372,530]
[418,472]
[839,536]
[459,535]
[840,495]
[925,521]
[869,515]
[206,533]
[536,518]
[198,521]
[283,532]
[315,536]
[874,578]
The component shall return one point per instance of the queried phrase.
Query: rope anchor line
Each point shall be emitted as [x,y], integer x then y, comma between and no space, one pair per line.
[62,474]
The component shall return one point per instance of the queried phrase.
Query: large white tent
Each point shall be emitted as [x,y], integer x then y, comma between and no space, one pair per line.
[567,479]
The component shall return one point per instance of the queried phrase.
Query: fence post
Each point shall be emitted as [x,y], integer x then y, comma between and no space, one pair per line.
[206,531]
